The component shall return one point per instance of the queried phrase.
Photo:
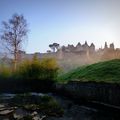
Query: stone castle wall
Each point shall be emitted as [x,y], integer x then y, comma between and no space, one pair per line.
[102,93]
[79,55]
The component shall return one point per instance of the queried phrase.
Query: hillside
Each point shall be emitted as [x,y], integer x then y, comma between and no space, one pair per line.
[108,71]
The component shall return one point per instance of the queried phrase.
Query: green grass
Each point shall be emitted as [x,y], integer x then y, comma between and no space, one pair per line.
[108,71]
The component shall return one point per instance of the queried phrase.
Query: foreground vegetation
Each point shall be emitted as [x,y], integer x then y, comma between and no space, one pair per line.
[108,71]
[45,104]
[32,74]
[41,74]
[29,106]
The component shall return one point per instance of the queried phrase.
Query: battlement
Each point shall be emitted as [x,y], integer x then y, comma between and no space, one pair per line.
[79,48]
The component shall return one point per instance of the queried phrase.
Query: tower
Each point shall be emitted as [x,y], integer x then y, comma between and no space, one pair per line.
[92,48]
[106,46]
[112,46]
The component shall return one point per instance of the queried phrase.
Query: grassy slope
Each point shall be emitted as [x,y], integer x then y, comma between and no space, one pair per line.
[108,71]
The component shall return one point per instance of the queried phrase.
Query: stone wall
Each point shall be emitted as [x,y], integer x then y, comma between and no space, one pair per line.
[105,93]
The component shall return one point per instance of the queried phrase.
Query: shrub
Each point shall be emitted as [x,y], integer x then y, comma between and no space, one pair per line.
[31,75]
[44,69]
[5,72]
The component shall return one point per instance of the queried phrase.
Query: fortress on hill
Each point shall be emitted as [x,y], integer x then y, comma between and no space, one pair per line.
[59,52]
[80,54]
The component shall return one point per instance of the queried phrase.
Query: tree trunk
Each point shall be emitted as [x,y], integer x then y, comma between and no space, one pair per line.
[15,58]
[15,61]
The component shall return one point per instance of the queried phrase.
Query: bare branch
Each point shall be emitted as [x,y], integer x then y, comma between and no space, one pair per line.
[13,34]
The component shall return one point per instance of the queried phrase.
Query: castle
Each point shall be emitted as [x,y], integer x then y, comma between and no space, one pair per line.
[79,48]
[81,54]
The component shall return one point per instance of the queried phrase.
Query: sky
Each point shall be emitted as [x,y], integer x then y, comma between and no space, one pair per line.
[66,21]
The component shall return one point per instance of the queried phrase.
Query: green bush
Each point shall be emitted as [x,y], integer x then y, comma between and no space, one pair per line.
[30,75]
[44,69]
[5,72]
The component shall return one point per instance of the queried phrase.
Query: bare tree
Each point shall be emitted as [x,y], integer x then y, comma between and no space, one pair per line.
[14,33]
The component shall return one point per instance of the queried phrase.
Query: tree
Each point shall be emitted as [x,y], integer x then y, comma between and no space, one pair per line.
[14,33]
[54,46]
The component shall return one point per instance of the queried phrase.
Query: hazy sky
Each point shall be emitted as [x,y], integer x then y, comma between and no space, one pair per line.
[66,21]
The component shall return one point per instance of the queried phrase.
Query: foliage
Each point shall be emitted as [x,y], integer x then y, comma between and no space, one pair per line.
[108,71]
[31,75]
[45,104]
[5,71]
[44,69]
[54,46]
